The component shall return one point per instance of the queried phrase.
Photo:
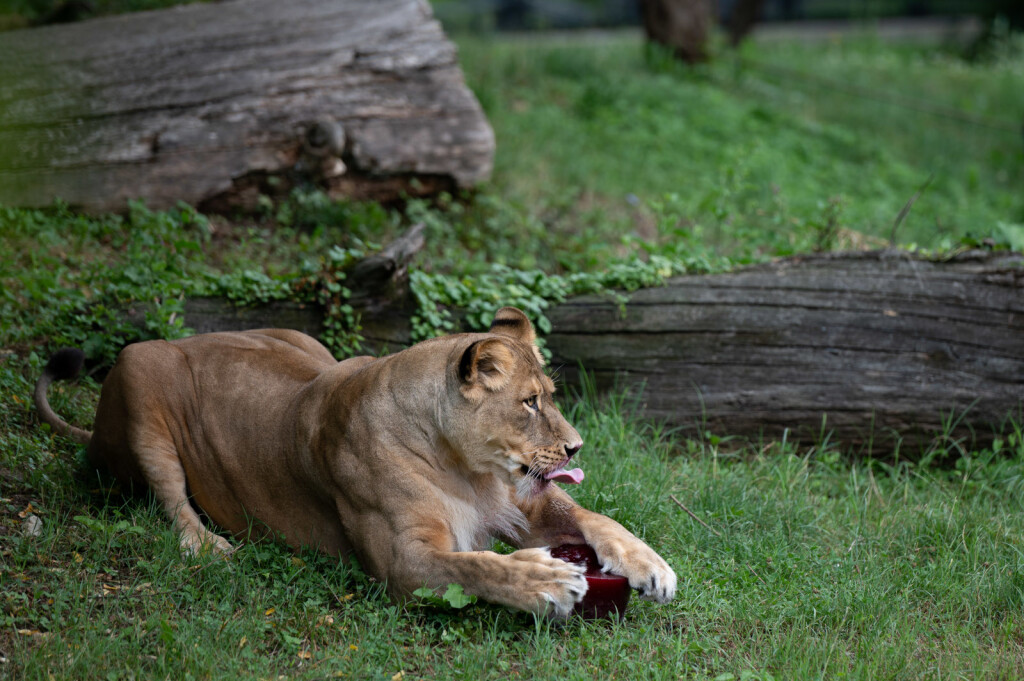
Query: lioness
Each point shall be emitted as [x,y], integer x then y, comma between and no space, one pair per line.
[411,462]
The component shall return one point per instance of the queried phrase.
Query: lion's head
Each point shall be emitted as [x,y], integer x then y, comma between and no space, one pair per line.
[508,422]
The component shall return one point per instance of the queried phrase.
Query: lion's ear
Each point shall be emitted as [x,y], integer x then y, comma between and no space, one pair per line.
[486,362]
[512,322]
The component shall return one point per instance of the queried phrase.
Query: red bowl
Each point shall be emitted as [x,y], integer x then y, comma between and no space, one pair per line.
[607,593]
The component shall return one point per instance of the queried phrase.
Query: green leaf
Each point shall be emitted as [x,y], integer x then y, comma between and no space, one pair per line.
[454,597]
[457,598]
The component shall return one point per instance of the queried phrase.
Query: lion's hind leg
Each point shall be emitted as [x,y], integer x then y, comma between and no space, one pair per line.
[161,466]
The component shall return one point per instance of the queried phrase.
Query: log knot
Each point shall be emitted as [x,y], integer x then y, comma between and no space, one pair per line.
[323,144]
[324,137]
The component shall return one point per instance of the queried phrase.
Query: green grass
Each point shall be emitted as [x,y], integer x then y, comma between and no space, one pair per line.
[813,567]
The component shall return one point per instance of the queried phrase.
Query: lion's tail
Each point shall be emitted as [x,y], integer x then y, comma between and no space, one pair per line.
[63,365]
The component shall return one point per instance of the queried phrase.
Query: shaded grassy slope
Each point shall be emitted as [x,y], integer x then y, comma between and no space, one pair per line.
[762,142]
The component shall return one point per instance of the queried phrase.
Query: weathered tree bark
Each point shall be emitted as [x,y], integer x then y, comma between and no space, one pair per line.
[216,103]
[865,346]
[862,345]
[681,25]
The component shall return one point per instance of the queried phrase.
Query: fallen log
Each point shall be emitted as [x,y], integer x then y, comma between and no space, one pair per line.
[216,104]
[862,347]
[865,346]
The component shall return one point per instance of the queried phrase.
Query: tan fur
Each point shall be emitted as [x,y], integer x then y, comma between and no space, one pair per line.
[410,462]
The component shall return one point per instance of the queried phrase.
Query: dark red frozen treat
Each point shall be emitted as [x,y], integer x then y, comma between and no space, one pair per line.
[607,593]
[581,554]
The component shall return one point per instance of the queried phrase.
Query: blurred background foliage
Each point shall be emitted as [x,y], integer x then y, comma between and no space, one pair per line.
[612,158]
[544,14]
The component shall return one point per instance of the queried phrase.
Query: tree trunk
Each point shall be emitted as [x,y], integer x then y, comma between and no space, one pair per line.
[215,104]
[745,15]
[681,25]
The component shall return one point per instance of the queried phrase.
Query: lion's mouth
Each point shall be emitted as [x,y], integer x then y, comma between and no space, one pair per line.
[556,474]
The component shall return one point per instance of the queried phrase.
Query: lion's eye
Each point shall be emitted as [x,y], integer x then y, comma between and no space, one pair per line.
[533,402]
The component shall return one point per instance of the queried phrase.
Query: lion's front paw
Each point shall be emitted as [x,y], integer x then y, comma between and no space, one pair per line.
[198,543]
[550,586]
[646,571]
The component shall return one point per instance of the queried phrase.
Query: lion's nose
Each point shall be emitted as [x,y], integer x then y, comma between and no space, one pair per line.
[572,449]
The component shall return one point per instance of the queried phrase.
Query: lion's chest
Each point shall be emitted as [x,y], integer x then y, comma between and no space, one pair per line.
[475,525]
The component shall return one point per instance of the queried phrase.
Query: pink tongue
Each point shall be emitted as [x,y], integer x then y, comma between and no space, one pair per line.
[575,476]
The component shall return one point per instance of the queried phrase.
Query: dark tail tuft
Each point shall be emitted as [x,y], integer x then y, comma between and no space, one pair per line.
[65,364]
